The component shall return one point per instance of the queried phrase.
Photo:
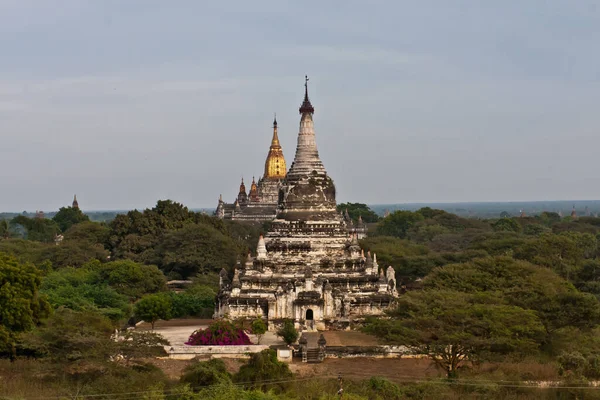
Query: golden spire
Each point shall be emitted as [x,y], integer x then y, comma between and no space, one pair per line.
[275,167]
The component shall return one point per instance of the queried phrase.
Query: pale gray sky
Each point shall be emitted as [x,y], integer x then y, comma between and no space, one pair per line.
[128,102]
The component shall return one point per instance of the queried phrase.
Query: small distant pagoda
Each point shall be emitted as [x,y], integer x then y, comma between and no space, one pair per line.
[75,203]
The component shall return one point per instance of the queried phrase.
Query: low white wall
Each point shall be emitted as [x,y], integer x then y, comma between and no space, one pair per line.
[189,352]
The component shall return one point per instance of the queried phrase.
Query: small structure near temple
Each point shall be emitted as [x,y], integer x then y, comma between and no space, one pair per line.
[309,267]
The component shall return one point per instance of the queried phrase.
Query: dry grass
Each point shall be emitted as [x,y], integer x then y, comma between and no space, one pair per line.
[26,379]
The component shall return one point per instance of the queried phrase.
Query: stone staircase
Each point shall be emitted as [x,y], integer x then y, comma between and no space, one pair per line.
[312,356]
[312,352]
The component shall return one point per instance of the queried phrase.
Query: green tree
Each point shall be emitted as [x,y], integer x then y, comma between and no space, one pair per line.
[66,217]
[205,373]
[555,301]
[398,223]
[563,253]
[196,248]
[131,279]
[288,332]
[195,301]
[181,243]
[91,232]
[549,218]
[452,327]
[506,225]
[426,231]
[21,305]
[84,337]
[140,344]
[153,307]
[358,209]
[535,229]
[82,289]
[4,229]
[394,251]
[37,229]
[259,328]
[73,336]
[262,367]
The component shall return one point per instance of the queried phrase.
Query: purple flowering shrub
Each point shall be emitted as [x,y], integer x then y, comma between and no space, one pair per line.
[219,333]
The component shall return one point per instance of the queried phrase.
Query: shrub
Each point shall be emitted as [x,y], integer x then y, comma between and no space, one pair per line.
[384,388]
[153,307]
[288,332]
[198,302]
[205,373]
[263,367]
[259,328]
[219,333]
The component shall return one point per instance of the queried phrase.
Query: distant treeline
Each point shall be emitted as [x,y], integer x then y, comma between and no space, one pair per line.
[499,209]
[96,216]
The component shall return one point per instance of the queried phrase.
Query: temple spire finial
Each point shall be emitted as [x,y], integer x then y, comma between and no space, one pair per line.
[306,107]
[275,167]
[75,203]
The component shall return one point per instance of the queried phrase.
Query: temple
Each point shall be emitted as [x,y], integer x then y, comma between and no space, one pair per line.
[260,204]
[309,267]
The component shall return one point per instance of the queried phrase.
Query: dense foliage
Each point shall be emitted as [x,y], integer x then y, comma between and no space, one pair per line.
[21,305]
[205,373]
[66,217]
[510,286]
[153,307]
[259,328]
[264,367]
[288,332]
[107,288]
[180,242]
[356,210]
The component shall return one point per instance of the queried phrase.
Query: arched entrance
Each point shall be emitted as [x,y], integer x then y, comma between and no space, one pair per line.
[309,315]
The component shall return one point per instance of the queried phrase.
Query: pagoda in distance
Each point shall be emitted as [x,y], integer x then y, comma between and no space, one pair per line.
[309,267]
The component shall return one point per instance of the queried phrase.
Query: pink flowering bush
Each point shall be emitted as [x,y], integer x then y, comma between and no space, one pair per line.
[219,333]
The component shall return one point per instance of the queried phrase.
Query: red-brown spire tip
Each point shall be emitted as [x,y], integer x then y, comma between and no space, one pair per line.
[275,121]
[306,107]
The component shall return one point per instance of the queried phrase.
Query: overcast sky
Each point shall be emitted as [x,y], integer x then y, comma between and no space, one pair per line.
[128,102]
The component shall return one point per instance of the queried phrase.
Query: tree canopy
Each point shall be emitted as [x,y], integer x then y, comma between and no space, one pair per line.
[356,210]
[21,305]
[66,217]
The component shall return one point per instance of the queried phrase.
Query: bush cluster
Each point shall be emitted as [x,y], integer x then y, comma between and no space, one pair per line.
[219,333]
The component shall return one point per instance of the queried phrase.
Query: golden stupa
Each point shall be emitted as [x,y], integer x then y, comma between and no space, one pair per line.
[275,167]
